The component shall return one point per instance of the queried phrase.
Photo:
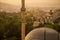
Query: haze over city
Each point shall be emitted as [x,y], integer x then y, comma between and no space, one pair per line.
[34,3]
[36,20]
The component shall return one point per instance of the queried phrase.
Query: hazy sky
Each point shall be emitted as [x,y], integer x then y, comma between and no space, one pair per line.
[35,3]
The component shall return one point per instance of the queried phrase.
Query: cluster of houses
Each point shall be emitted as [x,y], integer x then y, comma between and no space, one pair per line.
[42,17]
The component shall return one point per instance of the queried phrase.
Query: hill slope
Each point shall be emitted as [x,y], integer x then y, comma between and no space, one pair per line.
[8,7]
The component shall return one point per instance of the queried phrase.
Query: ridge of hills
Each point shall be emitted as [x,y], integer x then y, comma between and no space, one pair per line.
[8,7]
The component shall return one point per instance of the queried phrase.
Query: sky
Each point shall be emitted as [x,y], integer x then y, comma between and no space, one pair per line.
[35,3]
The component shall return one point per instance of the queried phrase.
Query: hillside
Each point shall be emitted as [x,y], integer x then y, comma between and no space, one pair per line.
[8,7]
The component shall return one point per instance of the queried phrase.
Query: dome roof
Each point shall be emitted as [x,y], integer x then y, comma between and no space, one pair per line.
[42,34]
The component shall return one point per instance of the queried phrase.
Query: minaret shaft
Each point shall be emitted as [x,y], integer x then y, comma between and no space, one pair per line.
[23,20]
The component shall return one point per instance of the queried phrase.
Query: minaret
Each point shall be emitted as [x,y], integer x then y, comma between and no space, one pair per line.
[23,20]
[23,5]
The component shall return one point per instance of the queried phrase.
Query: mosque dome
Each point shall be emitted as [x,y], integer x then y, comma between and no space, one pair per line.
[42,34]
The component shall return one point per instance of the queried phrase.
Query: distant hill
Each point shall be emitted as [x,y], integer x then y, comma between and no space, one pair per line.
[8,7]
[13,8]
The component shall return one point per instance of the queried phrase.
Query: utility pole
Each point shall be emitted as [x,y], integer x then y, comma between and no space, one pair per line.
[23,19]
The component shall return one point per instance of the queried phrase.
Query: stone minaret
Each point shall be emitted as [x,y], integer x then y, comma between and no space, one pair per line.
[23,19]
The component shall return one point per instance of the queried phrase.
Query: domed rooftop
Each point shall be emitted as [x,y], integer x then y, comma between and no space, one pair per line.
[42,34]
